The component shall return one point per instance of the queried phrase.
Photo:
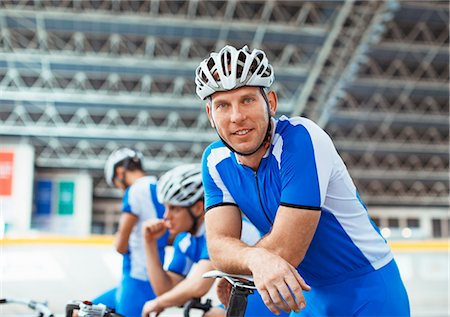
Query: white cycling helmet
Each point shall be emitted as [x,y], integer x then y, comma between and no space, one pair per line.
[181,186]
[120,157]
[232,68]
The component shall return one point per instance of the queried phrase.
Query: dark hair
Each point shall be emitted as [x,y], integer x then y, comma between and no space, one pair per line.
[130,164]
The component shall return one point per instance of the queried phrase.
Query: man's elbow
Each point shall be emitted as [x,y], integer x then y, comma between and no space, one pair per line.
[121,248]
[216,261]
[158,291]
[220,265]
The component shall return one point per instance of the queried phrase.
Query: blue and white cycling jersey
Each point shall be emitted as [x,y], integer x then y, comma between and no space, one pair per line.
[140,200]
[190,249]
[301,169]
[134,289]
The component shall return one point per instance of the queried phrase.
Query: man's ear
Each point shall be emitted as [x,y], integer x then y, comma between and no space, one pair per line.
[199,208]
[273,102]
[208,112]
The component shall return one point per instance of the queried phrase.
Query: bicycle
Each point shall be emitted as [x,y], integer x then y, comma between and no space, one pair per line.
[196,303]
[88,309]
[241,287]
[40,307]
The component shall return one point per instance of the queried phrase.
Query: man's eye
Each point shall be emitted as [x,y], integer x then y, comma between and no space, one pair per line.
[248,100]
[221,106]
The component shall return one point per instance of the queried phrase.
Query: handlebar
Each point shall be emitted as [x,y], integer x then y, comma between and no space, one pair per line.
[89,309]
[195,303]
[40,307]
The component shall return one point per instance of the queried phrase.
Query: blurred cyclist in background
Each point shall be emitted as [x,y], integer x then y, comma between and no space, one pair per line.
[181,190]
[286,176]
[124,170]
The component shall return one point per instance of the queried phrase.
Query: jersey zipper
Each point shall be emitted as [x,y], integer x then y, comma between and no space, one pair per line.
[260,199]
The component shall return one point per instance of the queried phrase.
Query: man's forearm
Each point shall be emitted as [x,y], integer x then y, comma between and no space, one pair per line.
[224,229]
[160,280]
[182,292]
[228,254]
[291,234]
[276,247]
[120,243]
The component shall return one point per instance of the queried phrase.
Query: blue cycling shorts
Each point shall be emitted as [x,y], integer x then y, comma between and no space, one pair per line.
[129,298]
[378,293]
[257,308]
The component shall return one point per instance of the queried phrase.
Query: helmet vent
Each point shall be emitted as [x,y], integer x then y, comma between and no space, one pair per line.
[181,186]
[232,68]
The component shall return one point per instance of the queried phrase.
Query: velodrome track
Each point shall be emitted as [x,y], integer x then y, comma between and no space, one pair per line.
[59,269]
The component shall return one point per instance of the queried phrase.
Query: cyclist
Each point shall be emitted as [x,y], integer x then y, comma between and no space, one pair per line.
[181,190]
[124,170]
[286,176]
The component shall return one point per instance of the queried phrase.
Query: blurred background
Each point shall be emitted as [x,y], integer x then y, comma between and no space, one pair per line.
[80,78]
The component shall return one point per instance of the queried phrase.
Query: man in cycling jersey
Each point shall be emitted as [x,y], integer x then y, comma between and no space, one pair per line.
[124,171]
[181,190]
[286,176]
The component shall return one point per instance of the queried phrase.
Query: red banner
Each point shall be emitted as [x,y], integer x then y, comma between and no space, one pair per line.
[6,173]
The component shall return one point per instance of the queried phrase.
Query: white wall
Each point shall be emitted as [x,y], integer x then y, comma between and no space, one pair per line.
[16,208]
[78,223]
[83,203]
[423,214]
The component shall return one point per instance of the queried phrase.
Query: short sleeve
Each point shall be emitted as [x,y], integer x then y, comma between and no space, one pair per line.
[181,263]
[159,207]
[305,167]
[126,206]
[216,193]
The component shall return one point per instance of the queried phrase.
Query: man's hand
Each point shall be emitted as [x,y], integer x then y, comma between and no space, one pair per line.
[153,229]
[223,290]
[152,306]
[277,281]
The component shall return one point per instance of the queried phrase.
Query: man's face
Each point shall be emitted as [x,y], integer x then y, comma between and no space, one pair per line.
[119,176]
[177,219]
[240,117]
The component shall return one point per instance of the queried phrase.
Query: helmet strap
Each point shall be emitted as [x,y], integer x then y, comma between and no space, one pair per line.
[194,220]
[122,180]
